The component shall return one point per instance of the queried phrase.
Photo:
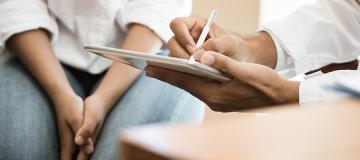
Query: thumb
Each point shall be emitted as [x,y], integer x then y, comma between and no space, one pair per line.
[85,132]
[225,64]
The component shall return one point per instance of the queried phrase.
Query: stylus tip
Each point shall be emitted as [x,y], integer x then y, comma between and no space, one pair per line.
[192,60]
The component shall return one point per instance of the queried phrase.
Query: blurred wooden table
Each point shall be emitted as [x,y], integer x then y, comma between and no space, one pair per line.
[322,131]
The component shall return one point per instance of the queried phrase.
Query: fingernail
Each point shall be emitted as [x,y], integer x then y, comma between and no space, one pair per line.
[207,59]
[79,140]
[190,48]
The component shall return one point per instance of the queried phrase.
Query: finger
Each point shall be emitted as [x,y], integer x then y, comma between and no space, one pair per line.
[86,131]
[198,53]
[96,135]
[193,84]
[86,150]
[89,147]
[66,143]
[82,156]
[181,28]
[220,45]
[176,50]
[241,71]
[257,76]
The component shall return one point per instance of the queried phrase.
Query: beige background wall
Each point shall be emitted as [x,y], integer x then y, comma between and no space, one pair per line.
[241,16]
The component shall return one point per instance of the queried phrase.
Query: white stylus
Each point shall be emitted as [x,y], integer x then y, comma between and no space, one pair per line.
[204,33]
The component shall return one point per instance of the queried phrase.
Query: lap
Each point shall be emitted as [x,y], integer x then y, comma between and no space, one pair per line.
[147,101]
[27,120]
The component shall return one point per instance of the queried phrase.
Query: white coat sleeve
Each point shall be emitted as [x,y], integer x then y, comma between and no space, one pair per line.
[154,14]
[23,15]
[316,35]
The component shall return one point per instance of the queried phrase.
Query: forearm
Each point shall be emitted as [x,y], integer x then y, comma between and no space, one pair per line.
[120,76]
[34,50]
[262,48]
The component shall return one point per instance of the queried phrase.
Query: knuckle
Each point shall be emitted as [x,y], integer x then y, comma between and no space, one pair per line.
[218,45]
[222,64]
[175,22]
[212,44]
[212,41]
[231,40]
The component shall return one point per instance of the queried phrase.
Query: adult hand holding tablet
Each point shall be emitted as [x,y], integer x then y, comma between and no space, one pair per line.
[253,84]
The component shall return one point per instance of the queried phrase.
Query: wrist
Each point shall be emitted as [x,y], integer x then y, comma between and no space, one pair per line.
[66,103]
[102,105]
[289,92]
[58,95]
[263,49]
[57,89]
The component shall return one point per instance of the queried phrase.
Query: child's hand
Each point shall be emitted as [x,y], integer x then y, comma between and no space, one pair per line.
[94,116]
[69,112]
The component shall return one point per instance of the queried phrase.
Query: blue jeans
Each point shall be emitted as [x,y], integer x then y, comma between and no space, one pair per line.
[28,128]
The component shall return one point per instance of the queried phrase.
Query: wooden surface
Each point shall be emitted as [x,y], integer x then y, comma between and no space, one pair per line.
[322,131]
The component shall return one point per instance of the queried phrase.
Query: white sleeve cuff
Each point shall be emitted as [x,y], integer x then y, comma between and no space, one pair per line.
[284,63]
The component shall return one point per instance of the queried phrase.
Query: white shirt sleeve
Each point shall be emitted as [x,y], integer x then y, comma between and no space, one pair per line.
[23,15]
[155,14]
[318,34]
[285,64]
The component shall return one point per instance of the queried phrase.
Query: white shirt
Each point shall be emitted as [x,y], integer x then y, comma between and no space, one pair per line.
[314,36]
[75,23]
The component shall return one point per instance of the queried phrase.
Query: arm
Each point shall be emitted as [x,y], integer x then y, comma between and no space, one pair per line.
[317,35]
[25,28]
[136,14]
[115,83]
[120,76]
[34,50]
[144,34]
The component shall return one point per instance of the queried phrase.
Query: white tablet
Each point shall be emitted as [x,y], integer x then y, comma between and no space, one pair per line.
[141,60]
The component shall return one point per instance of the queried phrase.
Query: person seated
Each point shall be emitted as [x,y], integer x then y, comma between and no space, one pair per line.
[58,101]
[315,36]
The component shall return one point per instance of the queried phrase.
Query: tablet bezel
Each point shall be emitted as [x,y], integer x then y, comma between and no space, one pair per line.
[108,52]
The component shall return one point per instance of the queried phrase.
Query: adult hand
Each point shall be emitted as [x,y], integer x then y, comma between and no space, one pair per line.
[94,117]
[253,85]
[69,111]
[258,48]
[186,32]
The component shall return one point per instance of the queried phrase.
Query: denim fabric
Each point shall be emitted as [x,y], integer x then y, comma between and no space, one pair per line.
[28,128]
